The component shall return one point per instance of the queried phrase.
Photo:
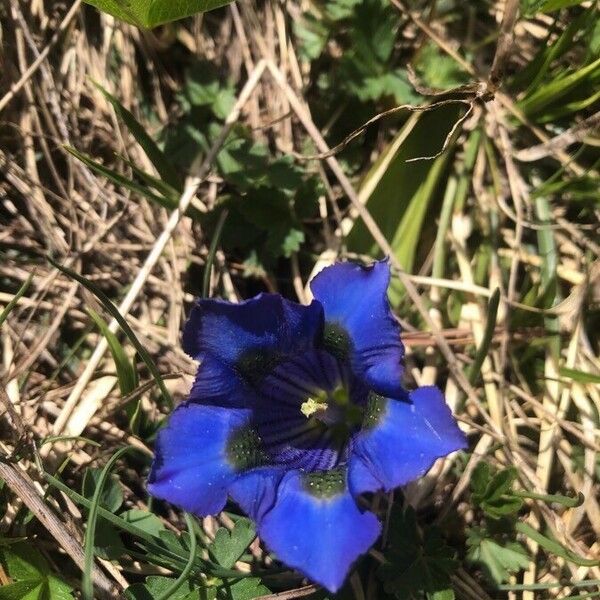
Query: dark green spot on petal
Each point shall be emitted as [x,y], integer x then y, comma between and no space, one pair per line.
[325,484]
[244,449]
[254,365]
[336,341]
[374,411]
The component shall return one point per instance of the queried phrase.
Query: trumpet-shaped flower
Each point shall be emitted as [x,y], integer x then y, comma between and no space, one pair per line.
[295,412]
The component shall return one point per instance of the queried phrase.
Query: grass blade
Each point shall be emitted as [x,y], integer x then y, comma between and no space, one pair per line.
[20,292]
[211,254]
[87,584]
[554,547]
[488,334]
[114,312]
[157,157]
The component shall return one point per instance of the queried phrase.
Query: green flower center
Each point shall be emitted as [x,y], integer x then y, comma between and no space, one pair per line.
[334,410]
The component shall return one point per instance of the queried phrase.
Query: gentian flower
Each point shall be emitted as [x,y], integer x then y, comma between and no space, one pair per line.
[296,411]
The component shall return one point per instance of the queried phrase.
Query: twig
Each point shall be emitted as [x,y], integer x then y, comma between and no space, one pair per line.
[20,483]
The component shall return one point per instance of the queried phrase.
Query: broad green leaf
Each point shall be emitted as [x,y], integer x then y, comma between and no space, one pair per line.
[493,493]
[437,70]
[155,586]
[228,546]
[480,479]
[151,13]
[245,589]
[31,575]
[416,562]
[142,519]
[28,589]
[112,495]
[498,561]
[400,194]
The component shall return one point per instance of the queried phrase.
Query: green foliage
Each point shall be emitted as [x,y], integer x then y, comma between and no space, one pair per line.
[414,187]
[111,497]
[555,547]
[499,559]
[126,372]
[155,587]
[418,563]
[31,574]
[437,70]
[366,32]
[492,492]
[228,546]
[151,13]
[530,7]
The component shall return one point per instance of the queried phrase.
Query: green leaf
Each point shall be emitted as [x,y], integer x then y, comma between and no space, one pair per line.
[480,479]
[530,7]
[414,187]
[493,493]
[144,520]
[151,13]
[437,70]
[416,562]
[30,589]
[125,369]
[20,292]
[246,589]
[112,495]
[558,87]
[203,87]
[155,586]
[116,178]
[31,575]
[157,157]
[114,311]
[312,34]
[498,561]
[490,326]
[554,547]
[228,546]
[87,582]
[579,376]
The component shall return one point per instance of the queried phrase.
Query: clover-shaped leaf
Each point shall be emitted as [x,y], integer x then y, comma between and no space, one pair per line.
[30,574]
[492,492]
[228,546]
[418,563]
[498,558]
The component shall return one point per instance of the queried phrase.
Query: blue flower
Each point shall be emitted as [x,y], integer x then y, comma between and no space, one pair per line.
[295,412]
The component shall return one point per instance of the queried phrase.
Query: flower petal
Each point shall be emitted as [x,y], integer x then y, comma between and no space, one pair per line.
[320,535]
[219,384]
[191,468]
[359,324]
[401,440]
[254,335]
[256,490]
